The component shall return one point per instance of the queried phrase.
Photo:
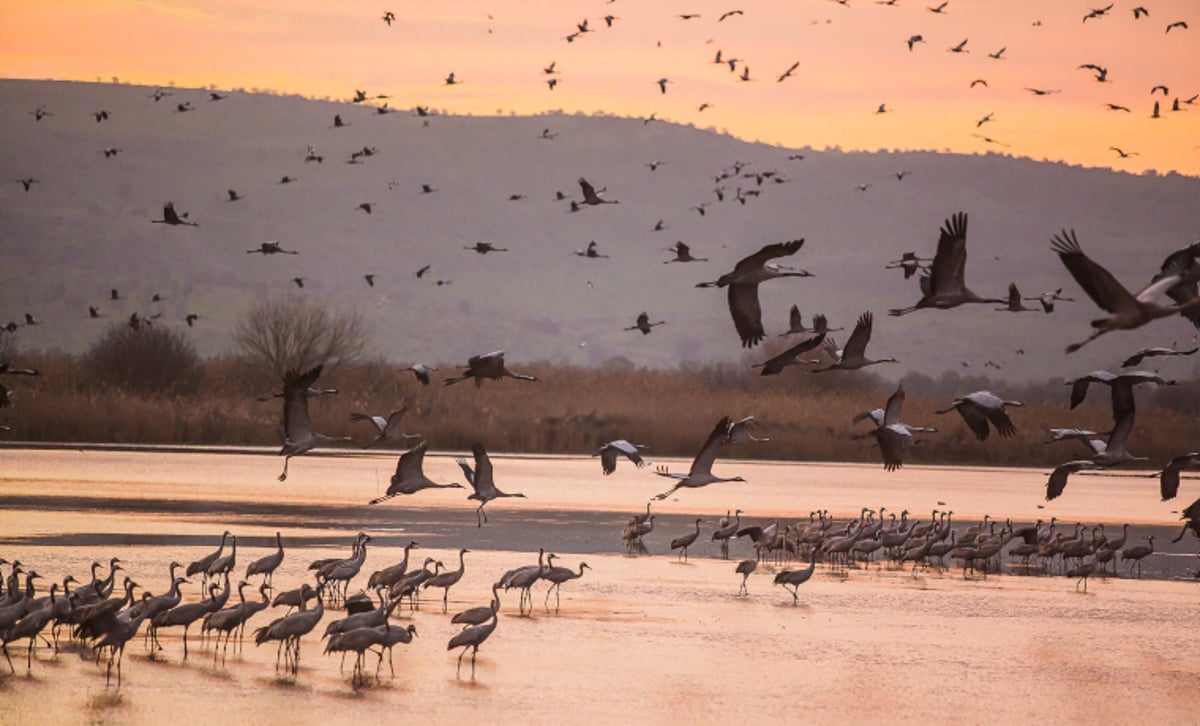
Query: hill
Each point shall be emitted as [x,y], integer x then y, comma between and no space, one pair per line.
[85,228]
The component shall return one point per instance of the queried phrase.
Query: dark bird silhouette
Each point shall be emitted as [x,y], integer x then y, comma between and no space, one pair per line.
[1168,478]
[27,182]
[1117,107]
[233,195]
[388,17]
[370,279]
[643,324]
[171,217]
[100,115]
[786,74]
[299,281]
[1014,304]
[1176,280]
[591,196]
[271,248]
[1139,11]
[191,319]
[743,284]
[947,286]
[1122,153]
[791,356]
[489,365]
[683,253]
[591,252]
[1097,12]
[1177,24]
[485,247]
[1042,91]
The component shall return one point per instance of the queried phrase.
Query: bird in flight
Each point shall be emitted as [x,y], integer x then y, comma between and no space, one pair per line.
[743,284]
[960,48]
[1122,153]
[1042,91]
[485,247]
[998,55]
[1097,12]
[643,324]
[913,40]
[451,80]
[1101,72]
[979,82]
[171,217]
[1177,24]
[388,17]
[1117,107]
[271,248]
[728,14]
[662,84]
[939,9]
[27,182]
[591,196]
[786,74]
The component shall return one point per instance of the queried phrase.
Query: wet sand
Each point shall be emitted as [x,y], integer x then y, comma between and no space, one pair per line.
[642,637]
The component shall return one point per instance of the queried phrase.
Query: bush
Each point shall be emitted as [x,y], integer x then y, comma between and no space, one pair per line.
[148,360]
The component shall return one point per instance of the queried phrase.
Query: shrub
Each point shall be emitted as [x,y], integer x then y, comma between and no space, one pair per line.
[147,360]
[290,333]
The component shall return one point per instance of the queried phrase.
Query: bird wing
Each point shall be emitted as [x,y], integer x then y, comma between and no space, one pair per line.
[796,321]
[789,356]
[946,275]
[608,458]
[486,359]
[466,469]
[1120,432]
[411,462]
[589,192]
[856,345]
[891,413]
[1097,282]
[394,419]
[747,313]
[892,442]
[377,421]
[629,450]
[1184,263]
[1014,296]
[708,453]
[975,418]
[483,469]
[768,253]
[296,425]
[875,414]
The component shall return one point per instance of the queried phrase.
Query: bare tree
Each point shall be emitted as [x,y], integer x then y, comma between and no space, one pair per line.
[291,333]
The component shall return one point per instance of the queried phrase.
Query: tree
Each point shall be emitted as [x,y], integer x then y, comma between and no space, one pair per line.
[154,360]
[290,333]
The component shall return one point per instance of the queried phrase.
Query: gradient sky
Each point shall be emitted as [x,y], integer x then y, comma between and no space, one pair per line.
[852,59]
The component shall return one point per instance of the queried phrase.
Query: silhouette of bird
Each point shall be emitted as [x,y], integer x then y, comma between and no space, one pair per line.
[111,152]
[591,251]
[790,357]
[451,80]
[619,447]
[643,324]
[786,74]
[998,55]
[1169,477]
[271,248]
[1137,357]
[233,195]
[1014,301]
[191,319]
[489,365]
[370,279]
[1101,72]
[1139,11]
[1097,12]
[852,356]
[1042,91]
[979,82]
[913,40]
[1105,454]
[1177,280]
[365,206]
[590,195]
[27,182]
[101,115]
[388,17]
[960,48]
[1121,153]
[410,475]
[485,247]
[683,253]
[743,284]
[170,216]
[947,287]
[700,474]
[1177,24]
[481,480]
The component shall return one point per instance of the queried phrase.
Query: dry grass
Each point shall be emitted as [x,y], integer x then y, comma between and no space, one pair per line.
[574,410]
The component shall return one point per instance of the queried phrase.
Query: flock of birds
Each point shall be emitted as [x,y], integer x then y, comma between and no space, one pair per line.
[109,622]
[97,616]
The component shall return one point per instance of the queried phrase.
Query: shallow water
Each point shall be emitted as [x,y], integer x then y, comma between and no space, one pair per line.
[642,636]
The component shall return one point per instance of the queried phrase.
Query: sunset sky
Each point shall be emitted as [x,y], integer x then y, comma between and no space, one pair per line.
[852,59]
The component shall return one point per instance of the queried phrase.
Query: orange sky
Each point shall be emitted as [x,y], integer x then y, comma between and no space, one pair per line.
[851,60]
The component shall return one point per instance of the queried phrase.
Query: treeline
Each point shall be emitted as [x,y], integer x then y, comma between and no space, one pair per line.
[574,410]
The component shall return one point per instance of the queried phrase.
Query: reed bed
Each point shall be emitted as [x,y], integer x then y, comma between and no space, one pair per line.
[573,410]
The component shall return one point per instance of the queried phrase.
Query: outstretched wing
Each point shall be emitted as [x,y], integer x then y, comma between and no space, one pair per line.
[708,453]
[747,313]
[768,253]
[856,345]
[946,275]
[1097,282]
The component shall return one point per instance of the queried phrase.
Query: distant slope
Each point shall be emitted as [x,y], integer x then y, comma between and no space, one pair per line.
[85,228]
